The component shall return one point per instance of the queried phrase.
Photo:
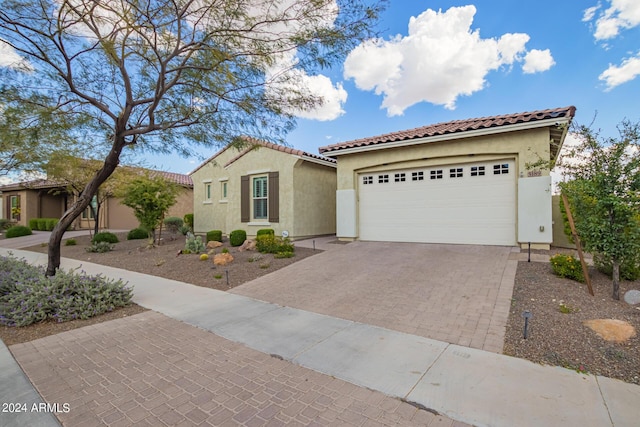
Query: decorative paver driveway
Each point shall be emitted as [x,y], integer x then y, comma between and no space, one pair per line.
[459,294]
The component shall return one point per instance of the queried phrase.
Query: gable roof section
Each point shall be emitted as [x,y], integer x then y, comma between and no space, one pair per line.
[253,143]
[462,129]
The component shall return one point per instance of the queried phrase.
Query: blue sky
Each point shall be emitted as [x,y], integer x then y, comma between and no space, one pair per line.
[474,59]
[584,39]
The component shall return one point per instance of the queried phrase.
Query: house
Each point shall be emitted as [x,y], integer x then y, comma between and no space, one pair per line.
[477,181]
[45,198]
[265,185]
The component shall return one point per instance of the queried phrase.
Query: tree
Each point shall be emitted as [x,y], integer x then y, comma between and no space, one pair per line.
[166,75]
[150,197]
[604,194]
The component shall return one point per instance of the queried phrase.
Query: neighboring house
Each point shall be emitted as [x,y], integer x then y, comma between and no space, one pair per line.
[477,181]
[264,185]
[43,198]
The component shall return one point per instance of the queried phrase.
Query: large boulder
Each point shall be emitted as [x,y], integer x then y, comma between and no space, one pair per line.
[248,245]
[212,244]
[222,259]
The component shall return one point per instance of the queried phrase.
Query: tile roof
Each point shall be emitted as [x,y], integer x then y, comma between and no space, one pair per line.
[454,127]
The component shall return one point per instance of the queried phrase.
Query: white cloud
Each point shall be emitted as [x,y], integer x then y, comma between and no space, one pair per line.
[10,58]
[439,60]
[617,75]
[537,60]
[621,15]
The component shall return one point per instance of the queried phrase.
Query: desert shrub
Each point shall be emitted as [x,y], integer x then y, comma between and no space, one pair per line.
[99,247]
[188,220]
[214,235]
[286,254]
[5,224]
[27,296]
[193,244]
[237,237]
[17,231]
[629,269]
[33,224]
[42,224]
[567,266]
[51,223]
[265,231]
[173,223]
[137,234]
[184,230]
[272,245]
[224,251]
[105,236]
[70,242]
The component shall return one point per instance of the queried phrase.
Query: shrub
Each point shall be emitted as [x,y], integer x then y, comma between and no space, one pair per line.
[27,296]
[224,251]
[51,223]
[33,224]
[42,224]
[5,224]
[629,269]
[188,220]
[567,266]
[272,245]
[17,231]
[265,231]
[184,230]
[237,237]
[99,247]
[194,244]
[204,257]
[286,254]
[214,235]
[137,234]
[70,242]
[105,236]
[173,223]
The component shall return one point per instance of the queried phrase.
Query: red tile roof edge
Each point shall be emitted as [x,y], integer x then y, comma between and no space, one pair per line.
[253,143]
[456,126]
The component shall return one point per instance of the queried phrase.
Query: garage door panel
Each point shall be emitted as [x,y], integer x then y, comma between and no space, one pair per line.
[462,209]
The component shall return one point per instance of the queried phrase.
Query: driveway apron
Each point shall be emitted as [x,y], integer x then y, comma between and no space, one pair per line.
[459,294]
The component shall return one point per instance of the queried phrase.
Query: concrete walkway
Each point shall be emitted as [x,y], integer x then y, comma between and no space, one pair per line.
[468,385]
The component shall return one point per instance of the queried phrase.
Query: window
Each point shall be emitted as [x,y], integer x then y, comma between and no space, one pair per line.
[260,200]
[223,190]
[14,202]
[477,170]
[455,173]
[207,191]
[436,174]
[383,178]
[417,176]
[501,169]
[88,212]
[400,177]
[367,179]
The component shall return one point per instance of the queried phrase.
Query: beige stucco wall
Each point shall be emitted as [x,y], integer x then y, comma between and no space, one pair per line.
[526,147]
[314,210]
[219,214]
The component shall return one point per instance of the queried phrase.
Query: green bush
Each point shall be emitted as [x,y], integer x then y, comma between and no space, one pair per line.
[265,231]
[237,237]
[42,224]
[70,242]
[567,266]
[5,224]
[188,220]
[173,223]
[214,235]
[105,236]
[193,244]
[51,223]
[17,231]
[27,296]
[33,224]
[137,234]
[100,247]
[284,255]
[270,244]
[184,230]
[629,269]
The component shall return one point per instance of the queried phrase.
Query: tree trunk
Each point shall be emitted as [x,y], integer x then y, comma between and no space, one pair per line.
[616,279]
[81,203]
[96,219]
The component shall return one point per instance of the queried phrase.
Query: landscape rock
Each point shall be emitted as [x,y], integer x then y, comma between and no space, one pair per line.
[212,244]
[248,245]
[222,259]
[611,329]
[632,297]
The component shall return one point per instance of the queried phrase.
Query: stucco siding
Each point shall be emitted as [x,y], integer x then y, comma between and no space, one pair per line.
[314,209]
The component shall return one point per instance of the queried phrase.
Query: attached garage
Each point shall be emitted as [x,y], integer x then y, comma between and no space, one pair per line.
[476,181]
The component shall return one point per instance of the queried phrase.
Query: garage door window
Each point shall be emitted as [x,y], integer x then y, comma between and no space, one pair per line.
[501,169]
[417,176]
[477,170]
[455,173]
[437,174]
[367,180]
[400,177]
[383,179]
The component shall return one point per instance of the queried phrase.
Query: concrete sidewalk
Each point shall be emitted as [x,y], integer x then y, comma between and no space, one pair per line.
[468,385]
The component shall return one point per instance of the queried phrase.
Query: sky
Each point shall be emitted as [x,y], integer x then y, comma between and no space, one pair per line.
[437,61]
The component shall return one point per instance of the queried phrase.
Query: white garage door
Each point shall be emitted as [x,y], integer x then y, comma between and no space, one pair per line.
[467,203]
